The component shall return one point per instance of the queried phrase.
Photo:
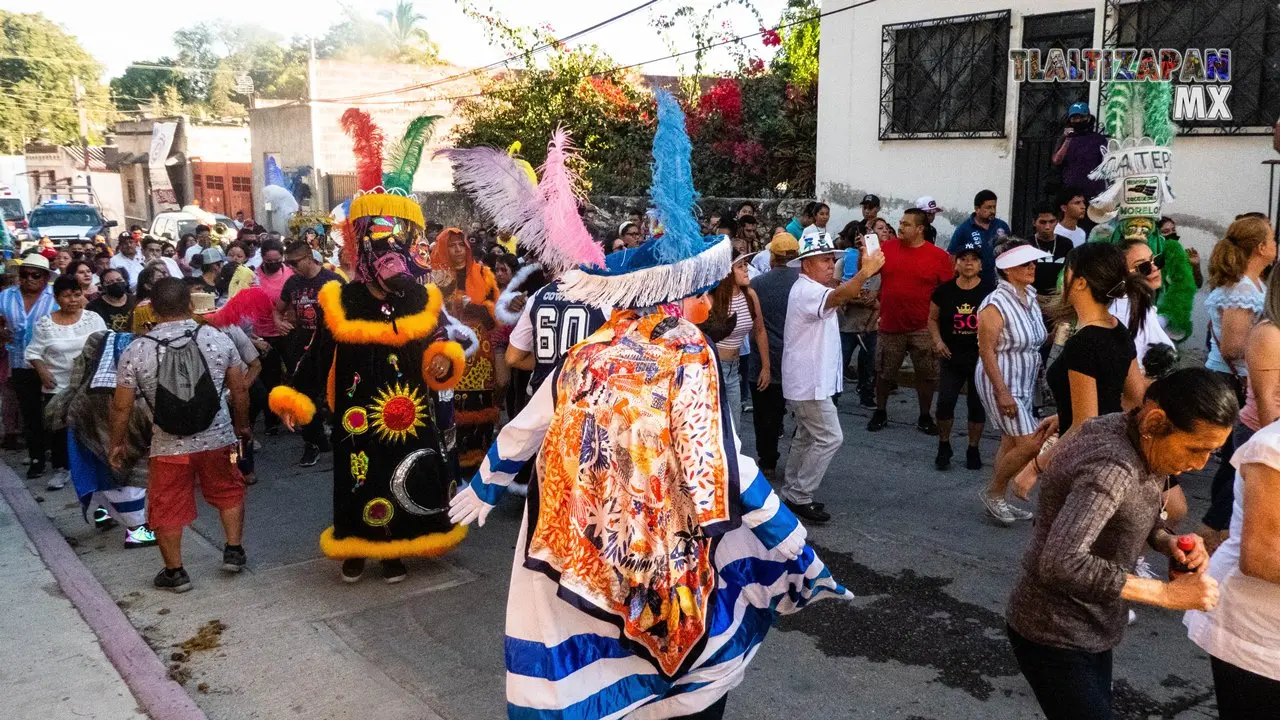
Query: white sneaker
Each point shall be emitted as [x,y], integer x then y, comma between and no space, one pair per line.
[58,480]
[997,509]
[1133,617]
[1017,512]
[140,536]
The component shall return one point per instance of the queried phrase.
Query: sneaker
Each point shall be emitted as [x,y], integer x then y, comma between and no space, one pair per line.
[177,581]
[747,407]
[58,480]
[36,470]
[310,455]
[102,519]
[393,571]
[1017,512]
[233,559]
[867,402]
[352,570]
[1133,617]
[926,425]
[973,459]
[997,509]
[138,537]
[943,460]
[811,512]
[257,446]
[879,419]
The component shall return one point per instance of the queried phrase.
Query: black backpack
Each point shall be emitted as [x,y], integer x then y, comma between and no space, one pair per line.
[186,399]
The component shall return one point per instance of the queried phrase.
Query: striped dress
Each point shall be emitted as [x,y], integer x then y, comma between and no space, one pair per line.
[573,654]
[1017,354]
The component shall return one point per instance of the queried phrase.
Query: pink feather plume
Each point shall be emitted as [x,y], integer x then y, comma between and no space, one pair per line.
[569,243]
[502,190]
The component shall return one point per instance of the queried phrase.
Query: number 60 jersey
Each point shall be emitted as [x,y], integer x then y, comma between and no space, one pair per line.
[551,324]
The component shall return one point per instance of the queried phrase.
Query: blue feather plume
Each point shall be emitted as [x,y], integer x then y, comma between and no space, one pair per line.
[671,191]
[272,174]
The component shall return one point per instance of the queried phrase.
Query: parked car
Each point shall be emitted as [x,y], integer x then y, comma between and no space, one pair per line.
[62,221]
[173,225]
[14,215]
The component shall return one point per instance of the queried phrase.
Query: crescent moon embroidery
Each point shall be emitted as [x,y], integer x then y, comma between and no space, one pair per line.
[398,490]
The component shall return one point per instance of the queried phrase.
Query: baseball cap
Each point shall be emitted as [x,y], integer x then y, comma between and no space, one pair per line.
[927,204]
[1079,108]
[971,248]
[784,243]
[212,255]
[869,199]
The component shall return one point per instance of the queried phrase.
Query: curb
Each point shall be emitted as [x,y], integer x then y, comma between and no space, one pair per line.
[137,663]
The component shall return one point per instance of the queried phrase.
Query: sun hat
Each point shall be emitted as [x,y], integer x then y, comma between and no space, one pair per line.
[1020,255]
[784,243]
[37,261]
[814,241]
[202,303]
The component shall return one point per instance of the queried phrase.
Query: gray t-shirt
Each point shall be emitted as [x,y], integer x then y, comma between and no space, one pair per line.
[138,367]
[774,288]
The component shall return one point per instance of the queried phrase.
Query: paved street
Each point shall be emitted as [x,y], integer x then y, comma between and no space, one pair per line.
[924,639]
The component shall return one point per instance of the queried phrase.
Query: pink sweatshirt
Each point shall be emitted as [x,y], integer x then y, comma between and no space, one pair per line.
[272,285]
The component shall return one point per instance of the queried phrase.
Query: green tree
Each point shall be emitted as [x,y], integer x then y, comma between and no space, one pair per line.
[797,56]
[409,43]
[39,66]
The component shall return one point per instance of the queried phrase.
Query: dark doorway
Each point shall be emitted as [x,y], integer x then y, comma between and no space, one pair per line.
[1042,111]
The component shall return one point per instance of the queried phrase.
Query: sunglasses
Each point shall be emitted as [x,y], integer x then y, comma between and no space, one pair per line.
[32,274]
[1147,268]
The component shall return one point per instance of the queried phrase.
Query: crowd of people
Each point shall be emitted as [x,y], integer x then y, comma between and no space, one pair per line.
[1054,340]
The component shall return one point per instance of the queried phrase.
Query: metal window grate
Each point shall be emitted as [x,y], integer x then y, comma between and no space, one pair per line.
[213,182]
[240,183]
[1250,28]
[945,78]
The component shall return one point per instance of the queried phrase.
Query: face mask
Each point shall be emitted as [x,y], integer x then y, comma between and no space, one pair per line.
[116,289]
[271,268]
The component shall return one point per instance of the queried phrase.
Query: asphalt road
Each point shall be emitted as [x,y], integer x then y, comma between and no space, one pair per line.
[924,640]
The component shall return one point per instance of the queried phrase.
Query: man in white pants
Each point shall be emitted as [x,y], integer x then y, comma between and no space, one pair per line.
[811,371]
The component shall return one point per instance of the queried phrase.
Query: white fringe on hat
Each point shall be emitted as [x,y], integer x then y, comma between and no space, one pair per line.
[461,334]
[651,286]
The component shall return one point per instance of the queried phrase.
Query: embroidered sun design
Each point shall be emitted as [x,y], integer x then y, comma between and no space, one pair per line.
[397,413]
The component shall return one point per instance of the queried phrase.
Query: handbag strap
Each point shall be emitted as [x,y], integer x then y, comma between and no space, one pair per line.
[1230,365]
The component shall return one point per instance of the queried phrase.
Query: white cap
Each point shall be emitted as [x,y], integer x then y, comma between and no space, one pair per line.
[927,204]
[1020,255]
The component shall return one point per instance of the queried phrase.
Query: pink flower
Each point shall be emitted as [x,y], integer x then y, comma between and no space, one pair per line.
[770,38]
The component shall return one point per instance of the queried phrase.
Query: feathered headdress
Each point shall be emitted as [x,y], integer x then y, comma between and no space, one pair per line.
[676,265]
[569,243]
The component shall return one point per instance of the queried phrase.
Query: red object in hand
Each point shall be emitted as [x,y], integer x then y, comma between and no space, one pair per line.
[1186,543]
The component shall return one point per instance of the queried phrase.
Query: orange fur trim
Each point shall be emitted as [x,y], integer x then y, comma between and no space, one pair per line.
[457,358]
[425,546]
[378,332]
[331,387]
[289,403]
[471,458]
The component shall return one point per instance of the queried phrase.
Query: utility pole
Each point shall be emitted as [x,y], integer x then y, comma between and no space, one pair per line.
[78,97]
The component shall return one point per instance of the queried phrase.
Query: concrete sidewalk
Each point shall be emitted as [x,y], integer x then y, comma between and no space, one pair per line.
[51,665]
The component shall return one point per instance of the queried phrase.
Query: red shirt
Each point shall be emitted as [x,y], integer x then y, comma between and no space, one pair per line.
[907,282]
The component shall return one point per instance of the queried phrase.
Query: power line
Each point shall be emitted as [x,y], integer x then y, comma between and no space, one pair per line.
[67,61]
[607,73]
[498,63]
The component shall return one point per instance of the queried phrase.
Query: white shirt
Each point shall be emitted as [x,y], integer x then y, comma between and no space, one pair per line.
[810,344]
[132,266]
[255,262]
[1152,332]
[58,346]
[1076,236]
[1244,629]
[522,334]
[762,262]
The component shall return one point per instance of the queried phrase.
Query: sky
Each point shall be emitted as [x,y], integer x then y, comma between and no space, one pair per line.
[118,32]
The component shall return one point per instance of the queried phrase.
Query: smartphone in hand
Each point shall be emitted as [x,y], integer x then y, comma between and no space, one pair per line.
[871,243]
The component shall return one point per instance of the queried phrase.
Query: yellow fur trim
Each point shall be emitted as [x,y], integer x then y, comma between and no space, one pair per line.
[331,387]
[457,358]
[425,546]
[378,332]
[373,204]
[289,403]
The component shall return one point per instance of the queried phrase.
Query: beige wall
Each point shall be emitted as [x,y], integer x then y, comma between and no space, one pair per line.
[284,131]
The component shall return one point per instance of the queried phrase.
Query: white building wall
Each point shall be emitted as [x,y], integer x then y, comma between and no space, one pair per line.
[1215,177]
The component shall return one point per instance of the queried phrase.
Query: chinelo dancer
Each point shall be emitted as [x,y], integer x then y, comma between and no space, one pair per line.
[382,359]
[653,556]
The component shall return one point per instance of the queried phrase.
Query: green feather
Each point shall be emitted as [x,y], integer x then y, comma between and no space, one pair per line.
[1156,103]
[1115,110]
[1178,294]
[405,156]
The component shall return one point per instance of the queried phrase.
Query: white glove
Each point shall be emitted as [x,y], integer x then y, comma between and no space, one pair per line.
[466,507]
[793,544]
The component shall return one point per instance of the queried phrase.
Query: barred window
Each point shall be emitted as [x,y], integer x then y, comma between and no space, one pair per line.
[946,77]
[239,183]
[195,180]
[1250,28]
[213,182]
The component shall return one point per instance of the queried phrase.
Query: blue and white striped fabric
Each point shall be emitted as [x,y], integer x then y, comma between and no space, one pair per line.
[22,323]
[564,664]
